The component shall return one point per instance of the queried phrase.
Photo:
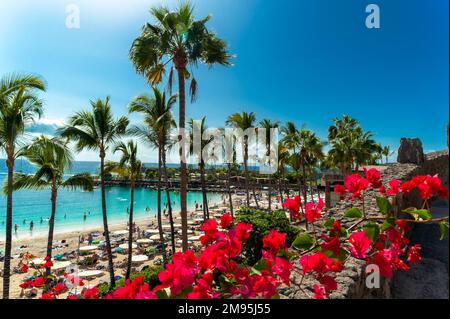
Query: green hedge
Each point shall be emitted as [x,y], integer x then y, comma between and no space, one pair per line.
[263,222]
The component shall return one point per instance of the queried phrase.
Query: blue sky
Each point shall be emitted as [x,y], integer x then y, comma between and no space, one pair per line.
[306,61]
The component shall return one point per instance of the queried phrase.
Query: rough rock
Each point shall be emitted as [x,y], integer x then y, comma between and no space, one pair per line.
[410,151]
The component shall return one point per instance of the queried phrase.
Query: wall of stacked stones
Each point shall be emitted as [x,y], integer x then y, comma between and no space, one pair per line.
[351,280]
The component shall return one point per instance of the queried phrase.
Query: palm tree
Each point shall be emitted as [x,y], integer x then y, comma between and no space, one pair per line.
[200,128]
[283,157]
[19,107]
[386,152]
[158,122]
[52,158]
[229,151]
[268,125]
[130,167]
[243,121]
[97,130]
[177,38]
[350,146]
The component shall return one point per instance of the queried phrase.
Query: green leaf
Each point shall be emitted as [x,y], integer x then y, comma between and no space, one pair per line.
[383,205]
[372,229]
[163,293]
[353,213]
[388,223]
[303,241]
[443,227]
[329,223]
[416,213]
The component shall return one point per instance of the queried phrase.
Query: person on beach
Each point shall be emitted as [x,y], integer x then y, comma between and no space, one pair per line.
[90,239]
[31,226]
[15,228]
[84,217]
[42,220]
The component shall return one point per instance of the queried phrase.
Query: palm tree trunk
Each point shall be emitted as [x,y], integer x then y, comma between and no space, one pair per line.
[230,198]
[51,228]
[8,239]
[130,230]
[204,196]
[246,172]
[305,184]
[270,194]
[181,65]
[254,195]
[169,203]
[280,189]
[161,233]
[105,219]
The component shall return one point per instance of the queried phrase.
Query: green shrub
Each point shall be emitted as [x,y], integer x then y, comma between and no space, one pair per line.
[262,223]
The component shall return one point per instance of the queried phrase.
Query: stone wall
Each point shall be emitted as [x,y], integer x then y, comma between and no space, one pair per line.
[351,280]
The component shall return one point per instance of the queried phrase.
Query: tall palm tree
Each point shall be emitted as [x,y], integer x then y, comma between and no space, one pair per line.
[243,121]
[268,125]
[158,122]
[19,107]
[97,130]
[52,158]
[283,157]
[177,38]
[130,167]
[386,152]
[200,128]
[229,152]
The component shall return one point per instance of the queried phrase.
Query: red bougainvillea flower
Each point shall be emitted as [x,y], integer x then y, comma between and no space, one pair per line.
[242,231]
[38,282]
[443,192]
[211,232]
[91,293]
[225,220]
[180,274]
[359,244]
[383,258]
[318,292]
[394,187]
[406,187]
[293,205]
[24,269]
[328,283]
[59,289]
[355,184]
[373,176]
[414,254]
[283,269]
[340,189]
[48,295]
[336,229]
[26,284]
[274,241]
[317,262]
[313,211]
[331,244]
[382,191]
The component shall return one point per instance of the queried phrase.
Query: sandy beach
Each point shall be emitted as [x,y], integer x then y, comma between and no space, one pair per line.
[69,243]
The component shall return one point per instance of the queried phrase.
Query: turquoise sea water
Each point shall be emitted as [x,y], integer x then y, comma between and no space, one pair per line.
[29,205]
